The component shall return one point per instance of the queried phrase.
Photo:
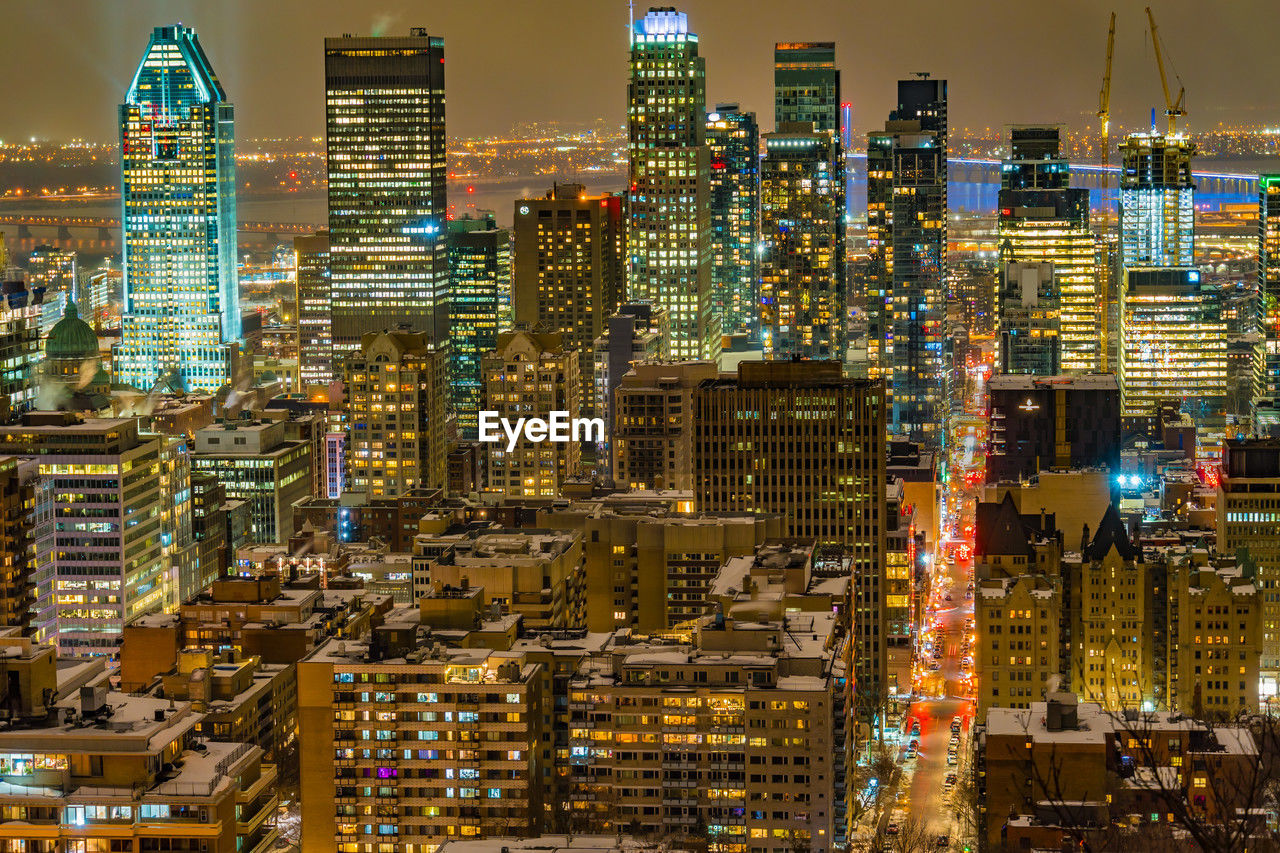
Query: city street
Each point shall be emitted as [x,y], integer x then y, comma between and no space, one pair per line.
[943,673]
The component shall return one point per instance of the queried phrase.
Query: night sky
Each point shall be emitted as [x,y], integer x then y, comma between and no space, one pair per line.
[66,63]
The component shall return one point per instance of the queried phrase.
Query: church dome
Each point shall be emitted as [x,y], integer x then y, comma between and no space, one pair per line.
[71,338]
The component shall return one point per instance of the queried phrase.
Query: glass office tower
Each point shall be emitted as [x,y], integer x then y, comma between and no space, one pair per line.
[734,139]
[479,308]
[806,85]
[178,197]
[385,147]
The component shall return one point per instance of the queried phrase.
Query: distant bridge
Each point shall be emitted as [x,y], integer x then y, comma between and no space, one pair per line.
[985,171]
[108,227]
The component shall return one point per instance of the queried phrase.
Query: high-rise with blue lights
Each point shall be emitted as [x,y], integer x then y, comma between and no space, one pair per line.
[905,288]
[385,148]
[669,196]
[181,304]
[1269,279]
[734,139]
[479,308]
[1157,215]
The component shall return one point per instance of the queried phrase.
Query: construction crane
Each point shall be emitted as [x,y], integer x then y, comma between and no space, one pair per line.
[1172,108]
[1104,98]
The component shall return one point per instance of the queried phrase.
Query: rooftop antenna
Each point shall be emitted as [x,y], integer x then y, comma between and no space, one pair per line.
[631,23]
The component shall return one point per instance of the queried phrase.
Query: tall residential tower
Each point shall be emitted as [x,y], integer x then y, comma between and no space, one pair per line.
[907,240]
[802,274]
[669,226]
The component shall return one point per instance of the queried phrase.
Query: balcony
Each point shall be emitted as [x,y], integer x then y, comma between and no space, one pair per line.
[264,808]
[267,842]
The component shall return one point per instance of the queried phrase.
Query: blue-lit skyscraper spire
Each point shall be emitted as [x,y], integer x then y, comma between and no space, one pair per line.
[178,197]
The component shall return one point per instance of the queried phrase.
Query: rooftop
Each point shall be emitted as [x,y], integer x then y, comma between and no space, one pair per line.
[1028,382]
[558,844]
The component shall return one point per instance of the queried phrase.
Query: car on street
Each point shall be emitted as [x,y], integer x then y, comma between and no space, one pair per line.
[949,780]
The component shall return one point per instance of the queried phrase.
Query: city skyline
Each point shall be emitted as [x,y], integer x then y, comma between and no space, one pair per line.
[89,56]
[924,502]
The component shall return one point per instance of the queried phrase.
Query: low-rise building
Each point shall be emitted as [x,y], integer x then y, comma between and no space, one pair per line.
[455,746]
[256,463]
[537,574]
[649,568]
[91,769]
[1063,768]
[259,616]
[243,700]
[737,734]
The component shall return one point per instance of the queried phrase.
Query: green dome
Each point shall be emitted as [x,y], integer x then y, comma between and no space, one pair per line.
[71,337]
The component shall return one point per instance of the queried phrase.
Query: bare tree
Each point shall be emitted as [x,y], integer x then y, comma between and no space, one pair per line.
[1212,798]
[913,836]
[884,765]
[964,804]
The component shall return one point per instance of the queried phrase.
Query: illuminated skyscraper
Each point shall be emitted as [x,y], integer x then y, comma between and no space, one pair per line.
[1041,219]
[178,197]
[877,280]
[734,140]
[529,374]
[315,338]
[1269,278]
[669,203]
[479,308]
[1157,216]
[95,578]
[802,280]
[1173,343]
[907,240]
[570,270]
[385,145]
[806,85]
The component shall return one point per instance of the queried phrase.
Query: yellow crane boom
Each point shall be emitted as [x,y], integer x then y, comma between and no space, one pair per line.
[1172,108]
[1104,96]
